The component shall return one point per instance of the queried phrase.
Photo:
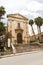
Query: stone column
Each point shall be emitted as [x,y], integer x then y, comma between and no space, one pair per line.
[9,42]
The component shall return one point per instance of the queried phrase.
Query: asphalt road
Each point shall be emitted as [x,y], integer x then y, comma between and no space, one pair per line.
[34,58]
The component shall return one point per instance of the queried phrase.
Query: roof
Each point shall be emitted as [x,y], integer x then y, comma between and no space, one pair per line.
[18,16]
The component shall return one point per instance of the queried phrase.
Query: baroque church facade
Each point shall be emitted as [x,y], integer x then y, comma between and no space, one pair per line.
[18,27]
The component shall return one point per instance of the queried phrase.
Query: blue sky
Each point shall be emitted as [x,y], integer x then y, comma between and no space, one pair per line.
[28,8]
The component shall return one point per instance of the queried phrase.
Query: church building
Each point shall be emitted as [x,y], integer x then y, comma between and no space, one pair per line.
[18,27]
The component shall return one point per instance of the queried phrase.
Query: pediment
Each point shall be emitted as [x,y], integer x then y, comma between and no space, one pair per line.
[18,16]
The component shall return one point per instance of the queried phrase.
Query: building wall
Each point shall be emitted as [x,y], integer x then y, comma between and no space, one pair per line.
[13,29]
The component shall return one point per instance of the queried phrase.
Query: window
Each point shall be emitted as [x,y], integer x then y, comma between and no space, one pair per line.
[18,25]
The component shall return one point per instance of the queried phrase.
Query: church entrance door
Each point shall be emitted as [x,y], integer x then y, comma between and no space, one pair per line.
[19,38]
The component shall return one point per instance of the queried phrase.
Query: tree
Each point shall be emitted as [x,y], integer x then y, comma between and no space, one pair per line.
[38,21]
[2,11]
[2,33]
[31,22]
[8,35]
[2,28]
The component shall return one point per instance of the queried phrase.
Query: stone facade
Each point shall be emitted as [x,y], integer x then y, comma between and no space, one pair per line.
[18,27]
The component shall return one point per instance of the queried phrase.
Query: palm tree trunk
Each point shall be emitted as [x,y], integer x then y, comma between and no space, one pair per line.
[39,33]
[33,32]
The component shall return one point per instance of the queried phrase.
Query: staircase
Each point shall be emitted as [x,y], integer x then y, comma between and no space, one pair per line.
[27,47]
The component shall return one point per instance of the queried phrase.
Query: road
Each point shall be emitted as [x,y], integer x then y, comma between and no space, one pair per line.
[34,58]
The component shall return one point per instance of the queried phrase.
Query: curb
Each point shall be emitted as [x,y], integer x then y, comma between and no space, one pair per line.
[18,54]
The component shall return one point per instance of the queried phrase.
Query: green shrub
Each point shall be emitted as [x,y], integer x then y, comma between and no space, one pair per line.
[1,46]
[32,40]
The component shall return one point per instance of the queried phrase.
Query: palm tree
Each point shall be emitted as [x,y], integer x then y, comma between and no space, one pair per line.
[2,11]
[38,21]
[31,22]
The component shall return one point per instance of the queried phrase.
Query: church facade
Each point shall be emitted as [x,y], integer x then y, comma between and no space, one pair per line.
[18,27]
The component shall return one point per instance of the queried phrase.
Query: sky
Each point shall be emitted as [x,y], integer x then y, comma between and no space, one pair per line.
[29,8]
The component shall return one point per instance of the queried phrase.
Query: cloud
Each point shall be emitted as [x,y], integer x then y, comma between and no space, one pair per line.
[16,6]
[25,7]
[34,6]
[41,12]
[29,8]
[41,1]
[13,5]
[32,9]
